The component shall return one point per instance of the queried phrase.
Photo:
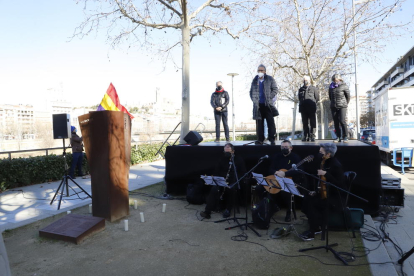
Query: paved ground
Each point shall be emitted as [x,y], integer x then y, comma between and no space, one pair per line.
[401,226]
[25,205]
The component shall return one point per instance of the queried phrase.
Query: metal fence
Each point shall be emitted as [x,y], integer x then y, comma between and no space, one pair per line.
[19,152]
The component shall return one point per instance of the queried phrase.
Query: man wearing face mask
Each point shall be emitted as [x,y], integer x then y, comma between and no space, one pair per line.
[262,90]
[328,168]
[339,97]
[308,98]
[219,196]
[282,160]
[219,101]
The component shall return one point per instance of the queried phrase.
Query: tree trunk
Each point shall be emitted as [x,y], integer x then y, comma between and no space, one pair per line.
[294,120]
[185,108]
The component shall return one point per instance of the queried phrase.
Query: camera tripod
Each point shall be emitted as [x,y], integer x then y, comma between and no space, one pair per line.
[64,183]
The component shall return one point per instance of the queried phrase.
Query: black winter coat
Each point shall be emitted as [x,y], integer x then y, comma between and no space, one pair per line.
[335,175]
[308,97]
[339,96]
[216,100]
[76,143]
[222,168]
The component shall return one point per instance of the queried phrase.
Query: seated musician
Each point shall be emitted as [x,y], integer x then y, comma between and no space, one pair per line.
[281,165]
[328,168]
[220,196]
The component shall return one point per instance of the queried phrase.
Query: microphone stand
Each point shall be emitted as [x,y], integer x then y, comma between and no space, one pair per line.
[235,219]
[328,246]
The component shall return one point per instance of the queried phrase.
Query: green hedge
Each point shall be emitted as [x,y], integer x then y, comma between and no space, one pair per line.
[20,172]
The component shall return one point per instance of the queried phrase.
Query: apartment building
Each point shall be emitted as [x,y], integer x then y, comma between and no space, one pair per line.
[401,74]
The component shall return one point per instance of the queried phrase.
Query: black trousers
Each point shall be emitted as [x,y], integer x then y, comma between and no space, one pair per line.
[341,128]
[283,198]
[309,118]
[221,116]
[265,113]
[219,198]
[315,208]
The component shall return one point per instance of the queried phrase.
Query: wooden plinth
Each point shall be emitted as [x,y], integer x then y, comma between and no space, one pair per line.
[73,228]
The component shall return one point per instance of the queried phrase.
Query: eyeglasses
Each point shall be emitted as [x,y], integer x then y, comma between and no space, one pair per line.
[260,70]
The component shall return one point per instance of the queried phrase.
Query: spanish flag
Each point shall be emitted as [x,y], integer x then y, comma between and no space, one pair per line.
[111,102]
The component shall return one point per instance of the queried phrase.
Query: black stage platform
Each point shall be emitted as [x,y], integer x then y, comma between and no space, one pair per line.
[185,164]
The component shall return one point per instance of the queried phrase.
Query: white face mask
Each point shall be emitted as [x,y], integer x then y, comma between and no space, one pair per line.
[260,74]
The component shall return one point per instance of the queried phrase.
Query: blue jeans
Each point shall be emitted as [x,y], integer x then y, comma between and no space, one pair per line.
[77,158]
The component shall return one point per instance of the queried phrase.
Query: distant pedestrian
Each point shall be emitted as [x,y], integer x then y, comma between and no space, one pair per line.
[262,90]
[308,98]
[77,153]
[339,97]
[219,101]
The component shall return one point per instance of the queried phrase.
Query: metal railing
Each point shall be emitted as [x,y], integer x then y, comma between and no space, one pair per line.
[9,153]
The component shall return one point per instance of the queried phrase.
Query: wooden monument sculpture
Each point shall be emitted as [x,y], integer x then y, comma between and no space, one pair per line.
[107,140]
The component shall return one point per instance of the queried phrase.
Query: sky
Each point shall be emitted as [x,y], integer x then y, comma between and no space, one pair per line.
[39,60]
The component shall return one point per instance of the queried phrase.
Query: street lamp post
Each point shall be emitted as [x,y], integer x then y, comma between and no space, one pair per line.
[355,64]
[232,103]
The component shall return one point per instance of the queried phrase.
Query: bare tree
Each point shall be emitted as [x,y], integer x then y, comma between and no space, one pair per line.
[44,133]
[134,21]
[317,37]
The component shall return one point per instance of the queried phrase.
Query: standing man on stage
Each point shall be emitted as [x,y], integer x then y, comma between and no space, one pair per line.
[339,97]
[263,89]
[219,101]
[308,98]
[219,196]
[327,168]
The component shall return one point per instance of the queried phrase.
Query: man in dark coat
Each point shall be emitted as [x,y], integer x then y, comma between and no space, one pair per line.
[262,92]
[316,203]
[281,165]
[225,196]
[219,101]
[308,98]
[339,97]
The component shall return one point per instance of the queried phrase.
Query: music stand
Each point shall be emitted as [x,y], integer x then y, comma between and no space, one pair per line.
[287,185]
[328,246]
[234,218]
[215,181]
[64,183]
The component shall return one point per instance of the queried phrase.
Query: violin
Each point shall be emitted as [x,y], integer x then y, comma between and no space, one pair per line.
[322,184]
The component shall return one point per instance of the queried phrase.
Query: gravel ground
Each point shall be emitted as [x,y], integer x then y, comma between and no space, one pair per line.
[175,243]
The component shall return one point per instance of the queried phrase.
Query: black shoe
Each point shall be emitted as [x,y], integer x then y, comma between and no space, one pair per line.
[258,143]
[307,236]
[288,217]
[312,139]
[226,213]
[217,140]
[318,231]
[272,143]
[205,215]
[304,139]
[227,140]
